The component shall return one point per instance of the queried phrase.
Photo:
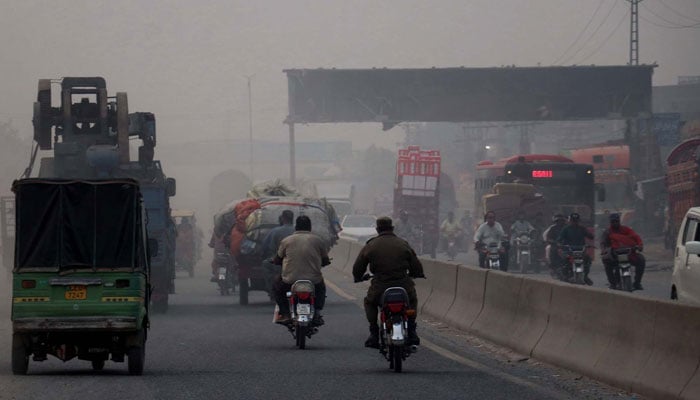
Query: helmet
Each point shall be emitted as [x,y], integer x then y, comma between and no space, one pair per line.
[574,217]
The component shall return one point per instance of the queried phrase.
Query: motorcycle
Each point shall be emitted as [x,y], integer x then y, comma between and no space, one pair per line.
[302,298]
[393,330]
[451,248]
[523,252]
[573,270]
[493,255]
[226,276]
[623,268]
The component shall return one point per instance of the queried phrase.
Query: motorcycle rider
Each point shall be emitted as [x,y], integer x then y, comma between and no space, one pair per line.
[404,228]
[302,255]
[393,262]
[489,232]
[615,237]
[450,229]
[520,226]
[575,234]
[271,243]
[550,236]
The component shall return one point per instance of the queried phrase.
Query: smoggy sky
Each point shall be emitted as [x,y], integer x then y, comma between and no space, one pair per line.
[187,61]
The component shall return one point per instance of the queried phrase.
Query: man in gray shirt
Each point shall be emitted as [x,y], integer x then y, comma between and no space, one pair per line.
[491,232]
[302,255]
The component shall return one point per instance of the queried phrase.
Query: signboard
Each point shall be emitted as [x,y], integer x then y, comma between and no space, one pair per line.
[667,128]
[391,96]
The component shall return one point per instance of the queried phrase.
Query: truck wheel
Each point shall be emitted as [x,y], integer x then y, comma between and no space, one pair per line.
[137,355]
[20,355]
[243,292]
[98,365]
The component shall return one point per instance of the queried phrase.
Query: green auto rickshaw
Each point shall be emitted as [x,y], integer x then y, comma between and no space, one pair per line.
[80,282]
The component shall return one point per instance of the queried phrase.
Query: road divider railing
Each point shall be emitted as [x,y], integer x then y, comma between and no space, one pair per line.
[642,345]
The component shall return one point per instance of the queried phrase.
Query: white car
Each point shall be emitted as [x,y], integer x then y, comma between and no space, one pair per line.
[685,281]
[358,227]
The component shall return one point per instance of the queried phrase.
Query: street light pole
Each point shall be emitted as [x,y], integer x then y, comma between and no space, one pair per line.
[250,129]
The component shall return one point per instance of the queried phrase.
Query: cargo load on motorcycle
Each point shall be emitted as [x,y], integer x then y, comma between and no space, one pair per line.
[245,223]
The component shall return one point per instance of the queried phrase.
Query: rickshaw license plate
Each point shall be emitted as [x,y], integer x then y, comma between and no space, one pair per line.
[76,292]
[303,308]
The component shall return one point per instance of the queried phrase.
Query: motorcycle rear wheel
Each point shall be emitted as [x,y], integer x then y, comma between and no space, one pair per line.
[578,278]
[397,357]
[301,336]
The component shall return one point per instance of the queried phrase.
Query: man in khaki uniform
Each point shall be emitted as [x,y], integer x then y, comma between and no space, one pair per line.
[393,262]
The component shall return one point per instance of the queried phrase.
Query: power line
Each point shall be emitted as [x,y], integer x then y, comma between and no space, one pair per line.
[619,24]
[592,34]
[680,14]
[578,37]
[667,26]
[672,24]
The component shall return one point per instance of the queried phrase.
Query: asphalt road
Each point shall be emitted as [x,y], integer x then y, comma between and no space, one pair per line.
[209,347]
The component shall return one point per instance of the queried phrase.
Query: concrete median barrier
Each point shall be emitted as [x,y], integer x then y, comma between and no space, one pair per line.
[469,297]
[443,278]
[669,370]
[629,322]
[495,322]
[531,317]
[576,335]
[424,287]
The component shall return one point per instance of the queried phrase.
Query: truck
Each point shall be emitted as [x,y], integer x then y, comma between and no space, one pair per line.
[682,185]
[611,163]
[89,134]
[7,231]
[340,194]
[81,276]
[417,191]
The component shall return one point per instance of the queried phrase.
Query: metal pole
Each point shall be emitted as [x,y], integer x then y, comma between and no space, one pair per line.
[250,126]
[292,159]
[634,31]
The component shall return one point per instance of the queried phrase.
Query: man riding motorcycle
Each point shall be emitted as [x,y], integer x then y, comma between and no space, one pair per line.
[491,232]
[302,255]
[451,230]
[550,236]
[393,262]
[575,234]
[618,236]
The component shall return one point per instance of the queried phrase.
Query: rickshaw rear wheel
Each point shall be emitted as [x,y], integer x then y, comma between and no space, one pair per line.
[137,355]
[98,365]
[20,355]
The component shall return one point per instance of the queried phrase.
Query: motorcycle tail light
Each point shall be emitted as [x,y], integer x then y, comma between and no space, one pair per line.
[411,313]
[395,307]
[303,295]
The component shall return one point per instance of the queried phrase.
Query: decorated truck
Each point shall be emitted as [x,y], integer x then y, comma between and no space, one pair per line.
[417,192]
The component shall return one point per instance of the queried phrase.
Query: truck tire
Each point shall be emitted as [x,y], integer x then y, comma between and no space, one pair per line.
[243,292]
[20,355]
[137,355]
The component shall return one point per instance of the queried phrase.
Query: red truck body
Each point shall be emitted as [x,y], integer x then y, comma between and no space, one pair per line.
[682,184]
[417,191]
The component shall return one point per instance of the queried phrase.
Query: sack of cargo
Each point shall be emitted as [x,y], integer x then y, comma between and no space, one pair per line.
[242,210]
[523,189]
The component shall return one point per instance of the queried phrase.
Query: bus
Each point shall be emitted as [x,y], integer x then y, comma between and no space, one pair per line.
[560,184]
